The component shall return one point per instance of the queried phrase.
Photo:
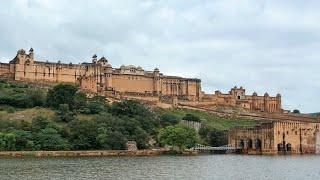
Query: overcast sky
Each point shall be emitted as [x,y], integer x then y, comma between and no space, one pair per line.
[262,45]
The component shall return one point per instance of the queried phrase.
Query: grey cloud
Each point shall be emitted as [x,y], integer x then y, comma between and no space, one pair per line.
[263,45]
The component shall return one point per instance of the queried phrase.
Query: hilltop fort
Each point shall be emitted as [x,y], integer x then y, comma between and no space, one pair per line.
[99,77]
[284,132]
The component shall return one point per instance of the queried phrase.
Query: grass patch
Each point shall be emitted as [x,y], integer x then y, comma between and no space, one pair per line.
[221,123]
[27,114]
[84,117]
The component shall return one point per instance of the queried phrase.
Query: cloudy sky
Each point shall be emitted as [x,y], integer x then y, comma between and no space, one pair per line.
[262,45]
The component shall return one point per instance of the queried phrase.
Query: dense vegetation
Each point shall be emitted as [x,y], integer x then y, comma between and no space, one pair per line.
[62,118]
[178,136]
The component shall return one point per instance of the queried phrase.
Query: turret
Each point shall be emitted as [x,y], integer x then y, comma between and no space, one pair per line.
[94,59]
[156,72]
[21,54]
[238,93]
[279,96]
[31,55]
[103,61]
[20,58]
[279,102]
[156,81]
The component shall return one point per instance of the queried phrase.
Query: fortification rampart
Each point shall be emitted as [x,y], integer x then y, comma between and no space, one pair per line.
[99,77]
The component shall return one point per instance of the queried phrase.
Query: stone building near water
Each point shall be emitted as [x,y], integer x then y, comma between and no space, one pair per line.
[99,77]
[277,138]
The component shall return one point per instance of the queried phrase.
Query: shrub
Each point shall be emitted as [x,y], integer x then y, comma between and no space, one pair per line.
[95,107]
[191,117]
[213,136]
[50,139]
[64,114]
[37,97]
[61,94]
[169,119]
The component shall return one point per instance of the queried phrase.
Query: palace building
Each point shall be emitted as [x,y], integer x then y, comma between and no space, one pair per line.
[100,77]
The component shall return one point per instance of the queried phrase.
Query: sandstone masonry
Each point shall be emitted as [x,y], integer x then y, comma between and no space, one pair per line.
[99,77]
[277,138]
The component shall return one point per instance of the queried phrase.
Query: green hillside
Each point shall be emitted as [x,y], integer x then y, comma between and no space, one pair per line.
[62,118]
[211,120]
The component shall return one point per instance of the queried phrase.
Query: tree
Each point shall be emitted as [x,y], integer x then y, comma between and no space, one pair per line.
[102,138]
[36,97]
[64,114]
[22,138]
[95,106]
[21,100]
[191,117]
[39,123]
[218,138]
[116,140]
[50,139]
[10,139]
[141,137]
[169,119]
[29,145]
[2,141]
[83,134]
[7,141]
[213,136]
[129,108]
[61,94]
[139,113]
[178,136]
[80,101]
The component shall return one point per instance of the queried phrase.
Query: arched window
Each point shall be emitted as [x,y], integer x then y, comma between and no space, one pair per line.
[288,147]
[241,143]
[280,148]
[258,144]
[249,144]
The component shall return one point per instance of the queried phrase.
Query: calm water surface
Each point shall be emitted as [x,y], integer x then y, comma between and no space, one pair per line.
[163,167]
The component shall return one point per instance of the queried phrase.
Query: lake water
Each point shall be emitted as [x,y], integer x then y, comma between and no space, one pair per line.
[163,167]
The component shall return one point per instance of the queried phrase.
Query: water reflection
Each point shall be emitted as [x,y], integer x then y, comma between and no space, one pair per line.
[163,167]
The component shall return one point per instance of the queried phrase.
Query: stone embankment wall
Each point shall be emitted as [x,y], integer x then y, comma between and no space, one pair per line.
[195,125]
[82,153]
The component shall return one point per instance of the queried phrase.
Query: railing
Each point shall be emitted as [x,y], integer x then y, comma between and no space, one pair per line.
[200,147]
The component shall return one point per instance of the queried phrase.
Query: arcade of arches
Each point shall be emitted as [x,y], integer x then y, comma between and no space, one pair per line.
[277,138]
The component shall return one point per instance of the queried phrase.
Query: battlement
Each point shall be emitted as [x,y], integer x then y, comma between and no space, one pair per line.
[100,77]
[237,97]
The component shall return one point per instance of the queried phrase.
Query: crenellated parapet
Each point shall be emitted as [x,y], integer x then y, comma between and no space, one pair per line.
[237,97]
[99,76]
